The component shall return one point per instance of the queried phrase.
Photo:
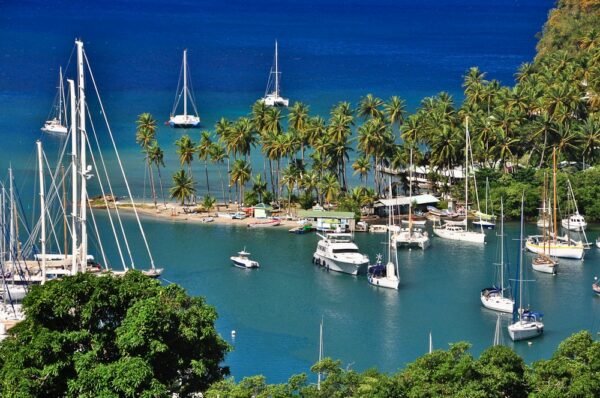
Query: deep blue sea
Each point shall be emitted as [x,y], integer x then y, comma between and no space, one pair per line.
[330,51]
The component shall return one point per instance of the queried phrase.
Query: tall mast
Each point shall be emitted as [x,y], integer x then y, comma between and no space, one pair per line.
[73,176]
[502,246]
[276,71]
[185,90]
[61,95]
[42,209]
[320,353]
[554,183]
[521,260]
[410,195]
[82,155]
[11,232]
[466,176]
[2,231]
[64,200]
[430,343]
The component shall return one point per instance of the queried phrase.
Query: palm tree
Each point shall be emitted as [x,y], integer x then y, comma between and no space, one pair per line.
[395,110]
[369,107]
[186,149]
[259,186]
[590,135]
[156,157]
[144,136]
[204,153]
[183,186]
[217,156]
[299,121]
[208,203]
[362,166]
[241,172]
[330,187]
[309,181]
[289,178]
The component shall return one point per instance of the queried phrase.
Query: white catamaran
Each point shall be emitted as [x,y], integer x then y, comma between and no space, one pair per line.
[58,122]
[272,94]
[186,120]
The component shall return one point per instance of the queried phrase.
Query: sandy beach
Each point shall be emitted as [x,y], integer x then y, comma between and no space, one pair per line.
[174,212]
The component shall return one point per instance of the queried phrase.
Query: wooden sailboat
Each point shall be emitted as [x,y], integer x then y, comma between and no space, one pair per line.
[185,120]
[542,262]
[272,94]
[58,123]
[552,244]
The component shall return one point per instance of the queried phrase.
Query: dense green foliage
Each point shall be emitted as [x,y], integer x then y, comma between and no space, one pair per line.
[92,336]
[573,371]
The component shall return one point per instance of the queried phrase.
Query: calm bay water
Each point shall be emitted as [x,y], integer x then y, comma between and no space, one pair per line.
[330,51]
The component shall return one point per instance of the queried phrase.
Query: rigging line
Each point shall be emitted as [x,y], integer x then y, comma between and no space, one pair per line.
[177,93]
[55,195]
[115,234]
[120,164]
[99,239]
[474,176]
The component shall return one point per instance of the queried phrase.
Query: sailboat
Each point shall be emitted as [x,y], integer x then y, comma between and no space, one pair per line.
[410,236]
[186,120]
[526,324]
[574,222]
[485,220]
[552,244]
[495,297]
[58,123]
[385,276]
[459,230]
[542,262]
[272,93]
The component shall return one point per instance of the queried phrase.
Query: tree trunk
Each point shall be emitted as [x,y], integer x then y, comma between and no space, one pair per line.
[162,193]
[206,172]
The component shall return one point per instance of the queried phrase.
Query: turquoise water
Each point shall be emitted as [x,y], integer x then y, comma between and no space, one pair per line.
[330,51]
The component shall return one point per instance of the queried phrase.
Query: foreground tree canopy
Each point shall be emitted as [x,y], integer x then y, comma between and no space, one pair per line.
[573,371]
[92,336]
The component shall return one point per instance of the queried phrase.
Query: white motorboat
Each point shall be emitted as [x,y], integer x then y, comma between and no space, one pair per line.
[272,94]
[185,120]
[378,228]
[338,252]
[460,231]
[575,222]
[526,324]
[495,297]
[243,261]
[57,124]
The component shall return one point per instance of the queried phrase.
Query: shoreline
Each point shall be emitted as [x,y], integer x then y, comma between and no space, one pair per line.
[175,213]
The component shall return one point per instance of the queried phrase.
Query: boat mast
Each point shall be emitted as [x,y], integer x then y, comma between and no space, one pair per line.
[82,156]
[185,90]
[410,179]
[466,176]
[320,353]
[554,183]
[502,246]
[521,261]
[276,71]
[42,209]
[430,343]
[73,176]
[11,232]
[487,187]
[61,96]
[64,200]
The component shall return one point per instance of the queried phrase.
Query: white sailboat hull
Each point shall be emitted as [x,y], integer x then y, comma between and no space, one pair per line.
[184,121]
[497,303]
[463,236]
[55,127]
[275,100]
[406,239]
[339,264]
[384,281]
[573,226]
[556,249]
[523,330]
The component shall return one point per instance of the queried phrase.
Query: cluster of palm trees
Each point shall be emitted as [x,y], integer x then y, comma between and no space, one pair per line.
[554,103]
[153,154]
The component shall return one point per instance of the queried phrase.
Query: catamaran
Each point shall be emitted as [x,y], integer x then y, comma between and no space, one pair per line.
[552,244]
[272,93]
[459,230]
[58,123]
[186,120]
[526,324]
[495,297]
